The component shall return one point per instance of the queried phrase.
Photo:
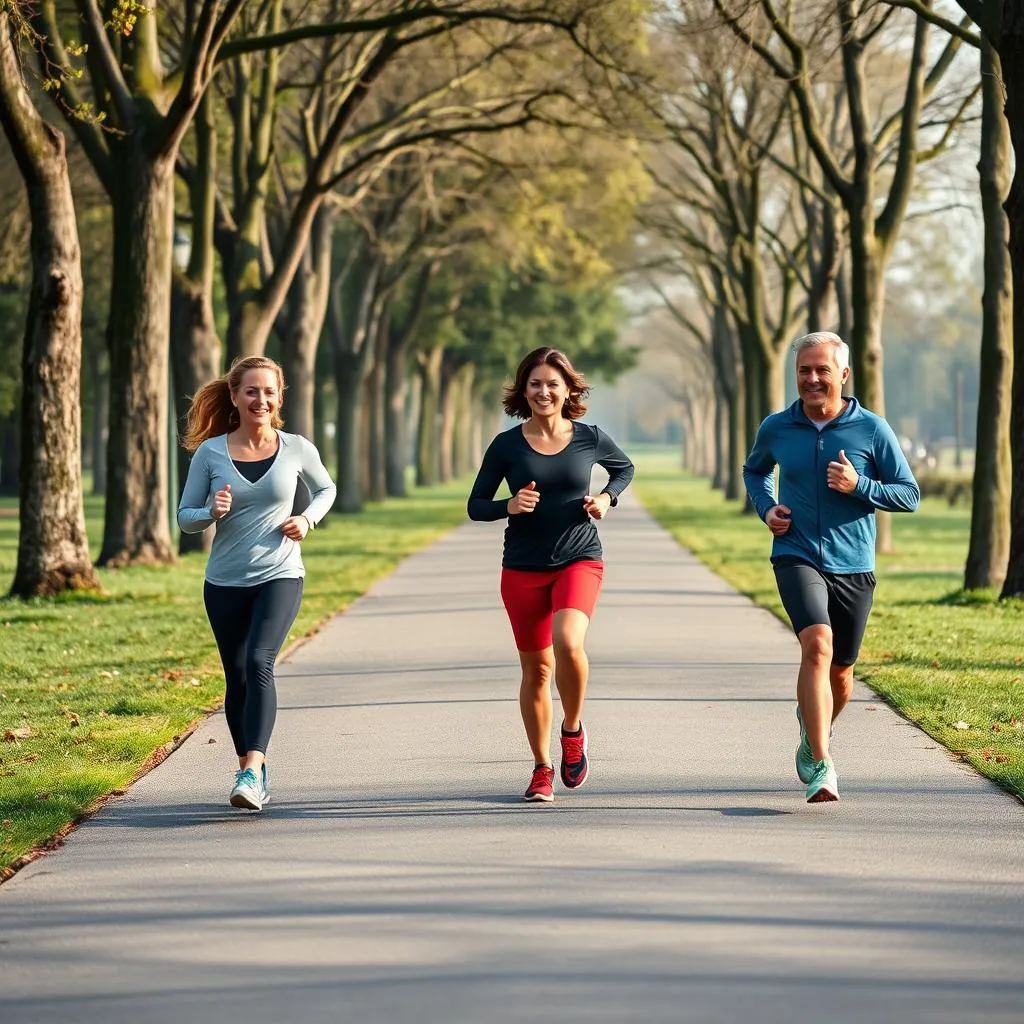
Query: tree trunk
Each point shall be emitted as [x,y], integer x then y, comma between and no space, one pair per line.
[353,342]
[396,388]
[867,299]
[462,442]
[376,445]
[447,400]
[53,553]
[824,255]
[135,528]
[195,361]
[304,323]
[427,451]
[1011,54]
[349,383]
[100,419]
[195,346]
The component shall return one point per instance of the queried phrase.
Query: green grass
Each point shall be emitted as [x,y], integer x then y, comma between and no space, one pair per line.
[103,682]
[935,653]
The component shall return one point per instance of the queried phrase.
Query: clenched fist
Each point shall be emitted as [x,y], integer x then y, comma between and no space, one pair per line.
[597,506]
[777,519]
[221,503]
[295,527]
[524,500]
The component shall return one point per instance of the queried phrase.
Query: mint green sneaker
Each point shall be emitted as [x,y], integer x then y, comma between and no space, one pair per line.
[804,757]
[823,785]
[247,791]
[265,782]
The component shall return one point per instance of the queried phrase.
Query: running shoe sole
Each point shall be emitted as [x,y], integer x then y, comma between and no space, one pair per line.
[539,798]
[246,797]
[823,796]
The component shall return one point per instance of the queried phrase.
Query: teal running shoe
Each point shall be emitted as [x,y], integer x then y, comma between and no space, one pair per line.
[804,757]
[823,785]
[247,791]
[265,781]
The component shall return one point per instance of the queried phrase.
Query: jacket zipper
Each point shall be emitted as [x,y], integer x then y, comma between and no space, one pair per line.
[818,449]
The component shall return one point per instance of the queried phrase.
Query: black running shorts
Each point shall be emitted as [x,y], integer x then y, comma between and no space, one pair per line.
[839,600]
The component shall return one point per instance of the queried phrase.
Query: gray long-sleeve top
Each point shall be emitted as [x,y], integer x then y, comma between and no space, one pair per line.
[249,547]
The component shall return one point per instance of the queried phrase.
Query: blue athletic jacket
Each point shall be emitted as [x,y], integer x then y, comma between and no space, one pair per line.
[833,531]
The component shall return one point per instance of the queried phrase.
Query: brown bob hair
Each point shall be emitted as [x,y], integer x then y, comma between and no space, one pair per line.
[515,402]
[212,412]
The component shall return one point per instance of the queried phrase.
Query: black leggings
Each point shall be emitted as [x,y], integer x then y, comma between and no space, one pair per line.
[250,625]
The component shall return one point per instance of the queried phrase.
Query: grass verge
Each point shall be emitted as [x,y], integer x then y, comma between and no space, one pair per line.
[943,657]
[91,686]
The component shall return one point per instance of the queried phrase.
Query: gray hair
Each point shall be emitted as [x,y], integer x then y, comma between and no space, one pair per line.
[842,350]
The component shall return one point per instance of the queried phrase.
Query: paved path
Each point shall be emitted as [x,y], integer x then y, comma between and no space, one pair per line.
[397,877]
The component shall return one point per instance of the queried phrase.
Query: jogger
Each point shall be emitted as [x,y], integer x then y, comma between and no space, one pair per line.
[243,477]
[552,564]
[837,462]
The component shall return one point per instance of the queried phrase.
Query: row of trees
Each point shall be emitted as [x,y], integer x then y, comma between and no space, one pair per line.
[797,141]
[390,192]
[362,187]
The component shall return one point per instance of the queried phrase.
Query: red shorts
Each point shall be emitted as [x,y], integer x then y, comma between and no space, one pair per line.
[532,598]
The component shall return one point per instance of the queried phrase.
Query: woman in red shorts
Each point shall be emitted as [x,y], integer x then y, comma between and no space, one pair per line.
[551,567]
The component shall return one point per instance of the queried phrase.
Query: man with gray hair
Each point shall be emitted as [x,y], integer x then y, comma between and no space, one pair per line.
[837,462]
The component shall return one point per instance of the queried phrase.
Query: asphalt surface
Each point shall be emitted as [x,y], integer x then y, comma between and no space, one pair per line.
[397,875]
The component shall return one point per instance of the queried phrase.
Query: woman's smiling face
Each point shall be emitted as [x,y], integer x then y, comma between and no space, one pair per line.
[257,398]
[546,390]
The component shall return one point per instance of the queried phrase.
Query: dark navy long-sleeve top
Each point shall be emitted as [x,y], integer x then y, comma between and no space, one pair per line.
[558,531]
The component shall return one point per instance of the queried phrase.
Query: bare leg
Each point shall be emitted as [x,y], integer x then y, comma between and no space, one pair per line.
[813,692]
[840,678]
[572,668]
[535,701]
[254,760]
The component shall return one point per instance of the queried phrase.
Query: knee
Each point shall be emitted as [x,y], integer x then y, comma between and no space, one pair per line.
[816,645]
[567,644]
[259,668]
[537,676]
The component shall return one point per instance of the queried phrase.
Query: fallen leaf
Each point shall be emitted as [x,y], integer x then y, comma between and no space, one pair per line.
[195,682]
[961,725]
[211,740]
[1002,758]
[996,727]
[13,735]
[6,821]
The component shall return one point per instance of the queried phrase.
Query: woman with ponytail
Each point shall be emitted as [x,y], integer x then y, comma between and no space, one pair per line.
[242,478]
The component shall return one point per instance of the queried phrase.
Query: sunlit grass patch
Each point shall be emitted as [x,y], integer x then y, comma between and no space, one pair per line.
[92,685]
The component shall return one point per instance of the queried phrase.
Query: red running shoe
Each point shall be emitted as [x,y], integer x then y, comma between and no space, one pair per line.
[541,788]
[574,759]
